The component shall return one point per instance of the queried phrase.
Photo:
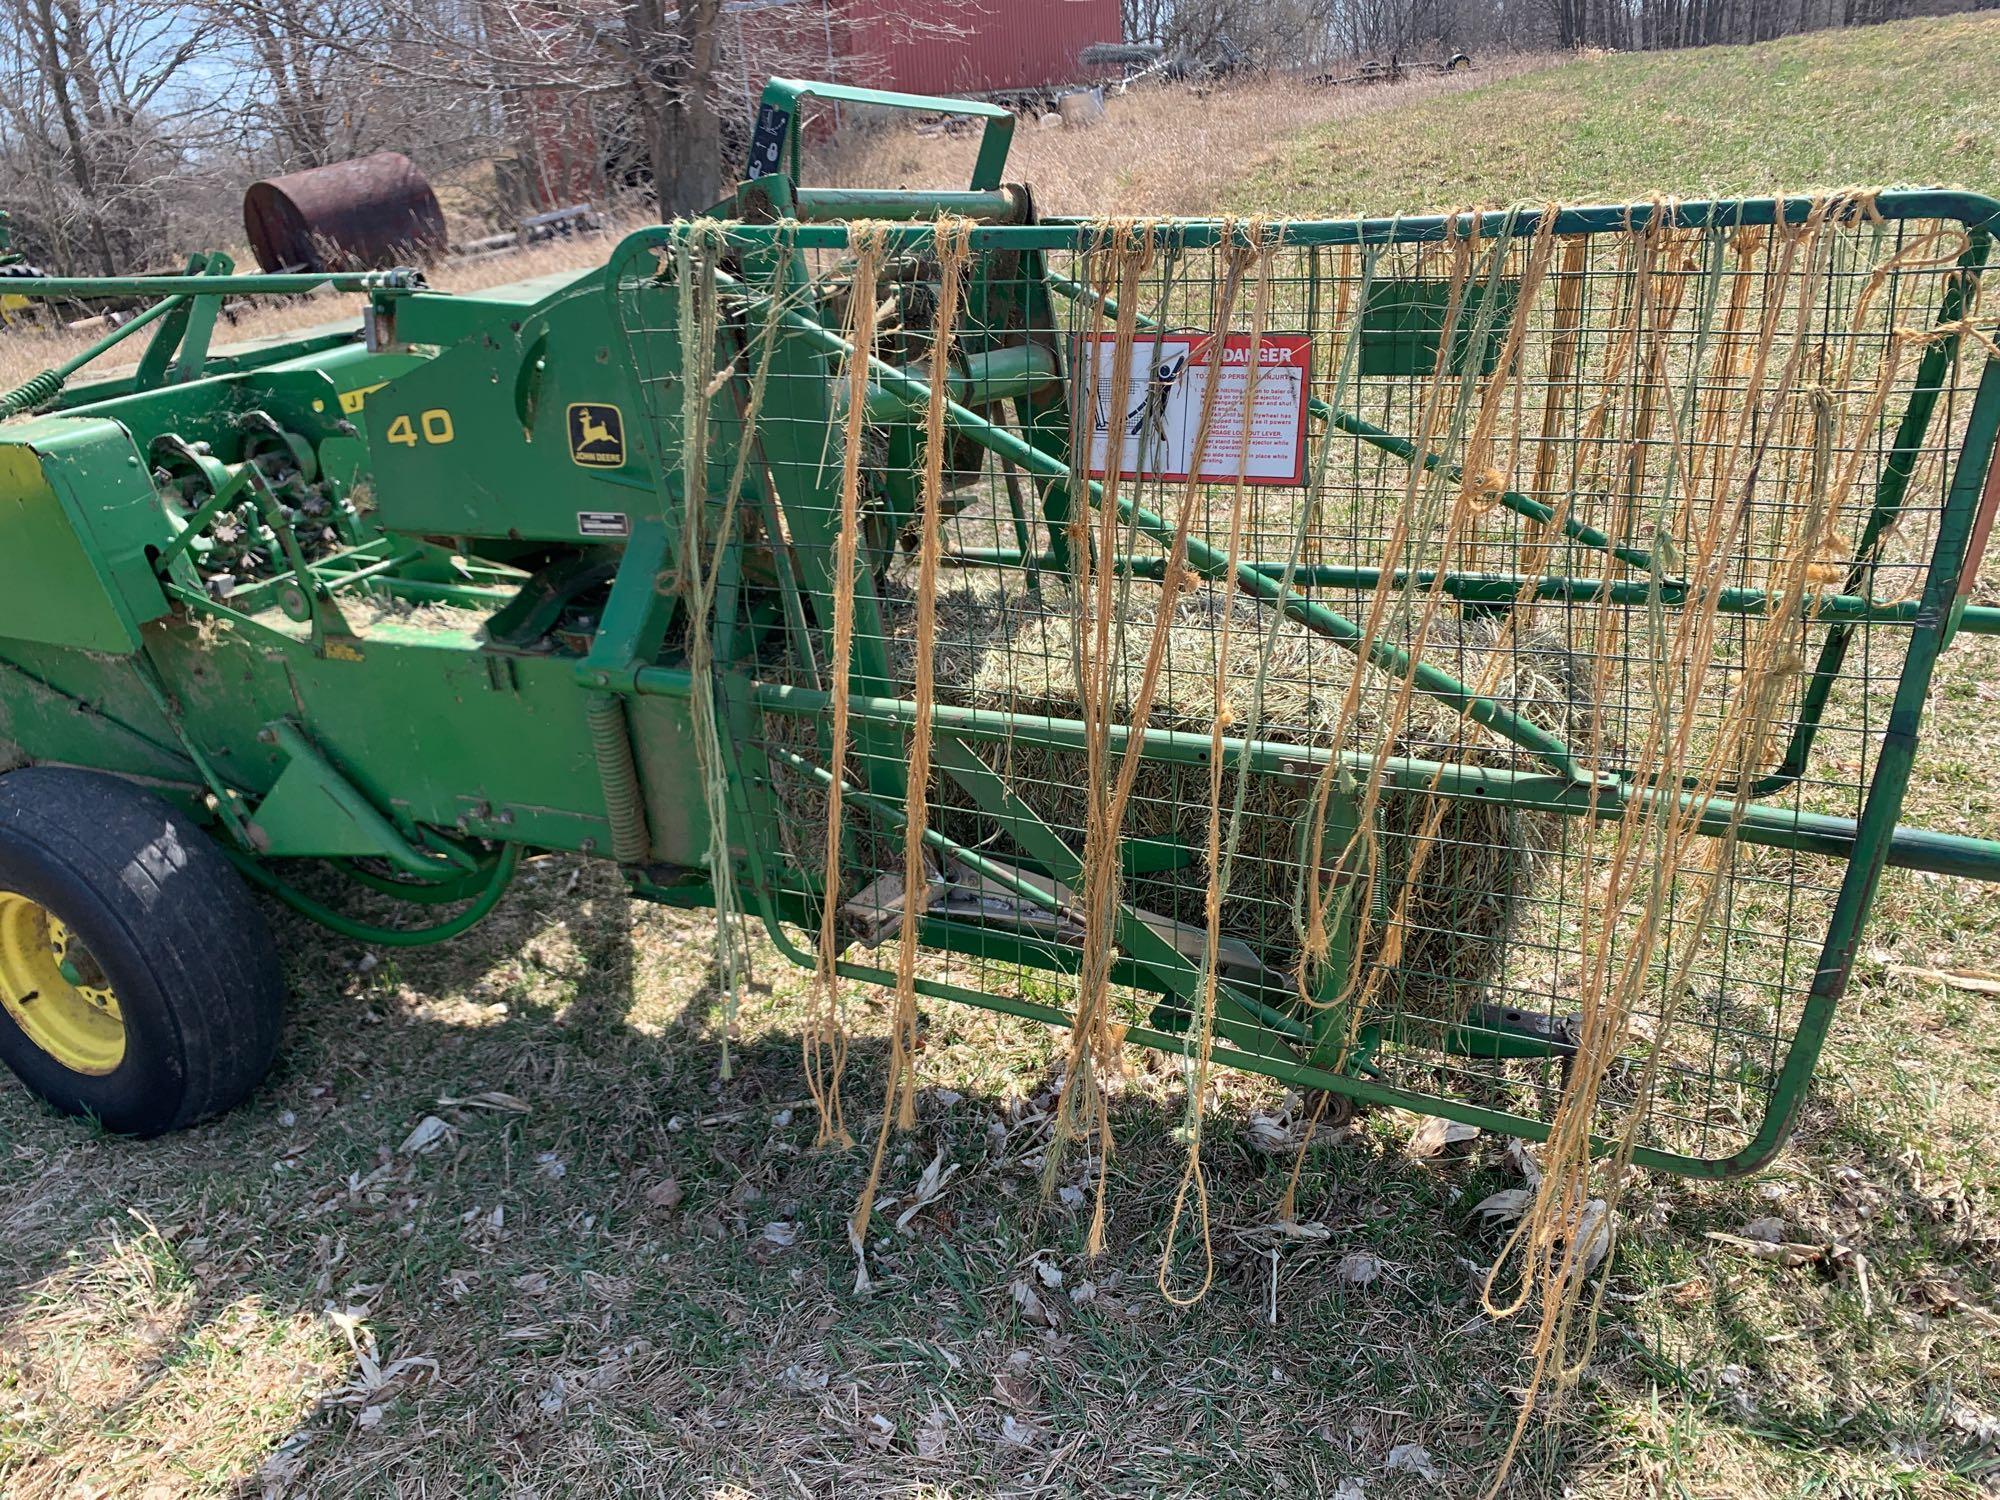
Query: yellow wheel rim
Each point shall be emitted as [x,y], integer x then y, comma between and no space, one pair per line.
[53,988]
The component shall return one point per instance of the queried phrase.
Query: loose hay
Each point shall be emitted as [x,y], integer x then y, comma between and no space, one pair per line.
[1003,647]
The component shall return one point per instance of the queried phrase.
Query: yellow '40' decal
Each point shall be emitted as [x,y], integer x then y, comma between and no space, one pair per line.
[435,423]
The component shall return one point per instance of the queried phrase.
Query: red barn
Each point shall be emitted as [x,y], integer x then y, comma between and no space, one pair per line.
[971,46]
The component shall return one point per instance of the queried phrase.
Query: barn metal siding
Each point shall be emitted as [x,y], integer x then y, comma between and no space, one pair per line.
[973,46]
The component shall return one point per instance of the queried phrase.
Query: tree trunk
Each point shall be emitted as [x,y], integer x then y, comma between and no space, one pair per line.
[59,80]
[676,100]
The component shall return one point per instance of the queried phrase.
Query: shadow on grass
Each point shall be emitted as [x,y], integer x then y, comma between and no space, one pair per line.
[614,1271]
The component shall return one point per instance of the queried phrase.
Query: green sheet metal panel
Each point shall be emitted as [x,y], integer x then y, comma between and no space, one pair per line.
[1403,324]
[526,429]
[77,511]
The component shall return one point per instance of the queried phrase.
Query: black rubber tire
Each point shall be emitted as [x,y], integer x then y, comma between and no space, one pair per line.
[175,930]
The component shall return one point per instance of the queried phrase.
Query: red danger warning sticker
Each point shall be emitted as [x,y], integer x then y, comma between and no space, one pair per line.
[1156,433]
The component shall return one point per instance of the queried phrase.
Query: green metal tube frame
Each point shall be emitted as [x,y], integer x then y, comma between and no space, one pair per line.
[279,283]
[1505,588]
[787,94]
[481,907]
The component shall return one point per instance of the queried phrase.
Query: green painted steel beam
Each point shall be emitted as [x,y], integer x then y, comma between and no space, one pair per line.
[1775,827]
[395,282]
[314,810]
[994,375]
[1975,211]
[1002,205]
[1505,588]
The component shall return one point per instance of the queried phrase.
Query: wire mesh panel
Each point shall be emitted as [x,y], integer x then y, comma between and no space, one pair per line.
[1555,594]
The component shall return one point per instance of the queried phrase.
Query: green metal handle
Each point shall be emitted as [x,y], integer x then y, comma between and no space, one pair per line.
[276,284]
[777,131]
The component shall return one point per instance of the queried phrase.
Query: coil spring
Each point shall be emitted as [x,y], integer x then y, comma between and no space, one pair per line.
[31,393]
[624,804]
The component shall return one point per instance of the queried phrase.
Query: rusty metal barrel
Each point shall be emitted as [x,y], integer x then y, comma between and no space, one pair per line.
[361,215]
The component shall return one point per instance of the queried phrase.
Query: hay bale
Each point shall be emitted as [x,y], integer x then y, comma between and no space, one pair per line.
[1004,648]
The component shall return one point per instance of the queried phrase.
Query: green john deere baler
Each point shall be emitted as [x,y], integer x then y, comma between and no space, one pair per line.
[1521,509]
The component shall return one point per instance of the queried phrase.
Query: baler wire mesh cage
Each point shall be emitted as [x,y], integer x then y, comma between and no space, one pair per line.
[1660,496]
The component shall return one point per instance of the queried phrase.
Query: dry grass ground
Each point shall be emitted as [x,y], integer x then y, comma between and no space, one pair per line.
[1158,151]
[497,1226]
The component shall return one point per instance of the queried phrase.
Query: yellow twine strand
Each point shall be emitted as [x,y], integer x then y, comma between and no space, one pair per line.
[954,242]
[825,1040]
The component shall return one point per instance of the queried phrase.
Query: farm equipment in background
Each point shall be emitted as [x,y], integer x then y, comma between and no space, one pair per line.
[12,265]
[557,568]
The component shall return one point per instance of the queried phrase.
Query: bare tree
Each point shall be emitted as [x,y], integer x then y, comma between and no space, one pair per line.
[672,56]
[85,136]
[128,127]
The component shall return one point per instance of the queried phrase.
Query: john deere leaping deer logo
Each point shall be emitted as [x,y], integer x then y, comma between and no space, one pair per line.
[596,434]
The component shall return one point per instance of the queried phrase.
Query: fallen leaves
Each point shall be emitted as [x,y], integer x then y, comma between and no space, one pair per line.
[1014,1385]
[1503,1207]
[1360,1268]
[1792,1253]
[491,1099]
[1941,1295]
[1973,981]
[1271,1134]
[615,1291]
[375,1380]
[1782,1252]
[433,1130]
[932,1435]
[1411,1458]
[802,1380]
[1434,1134]
[930,1186]
[1286,1229]
[430,1133]
[1029,1302]
[1591,1229]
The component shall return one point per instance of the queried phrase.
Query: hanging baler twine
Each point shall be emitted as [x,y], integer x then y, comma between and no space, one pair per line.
[696,254]
[954,247]
[825,1040]
[1097,1039]
[1222,854]
[1717,461]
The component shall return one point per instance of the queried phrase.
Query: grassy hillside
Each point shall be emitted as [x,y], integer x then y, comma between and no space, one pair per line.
[1913,103]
